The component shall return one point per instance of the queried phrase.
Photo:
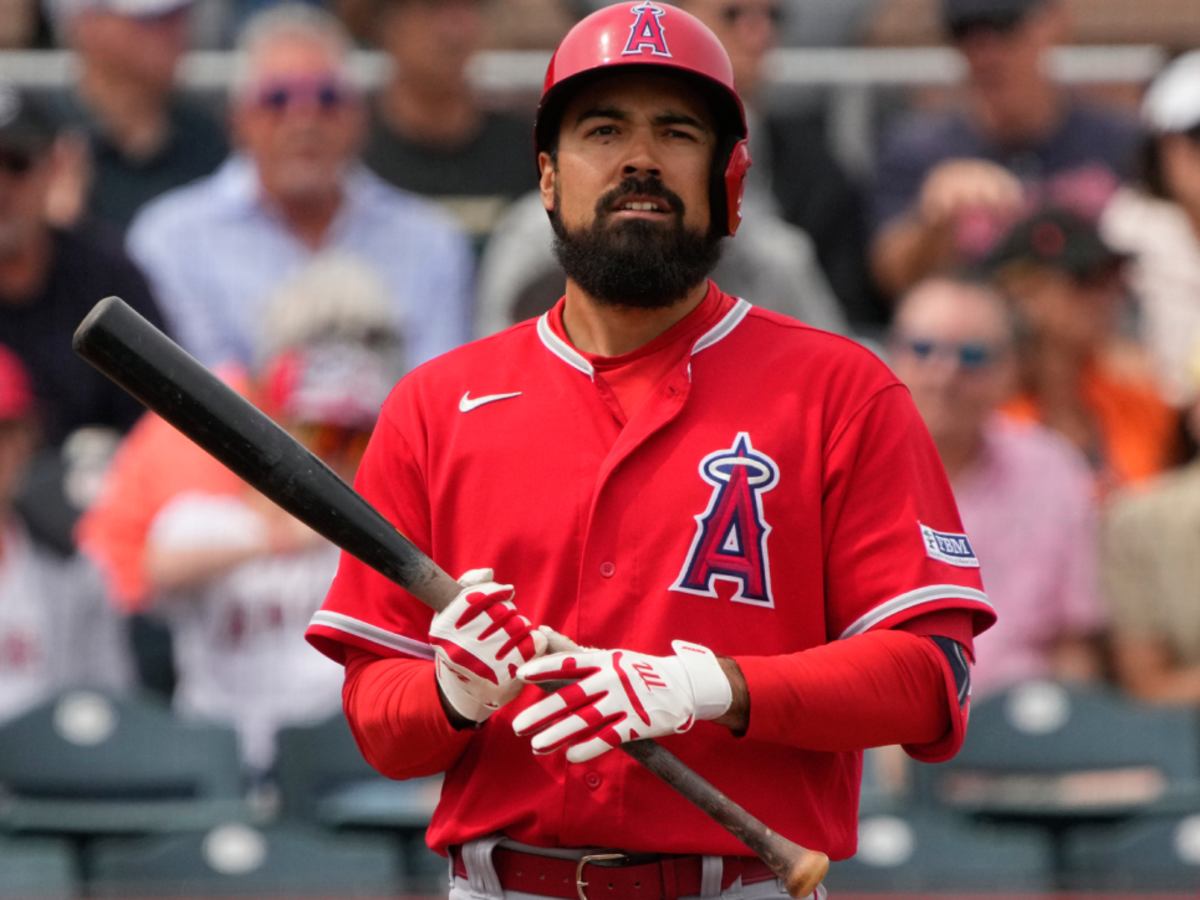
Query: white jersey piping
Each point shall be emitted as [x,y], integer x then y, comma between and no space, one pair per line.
[561,348]
[372,633]
[722,329]
[928,594]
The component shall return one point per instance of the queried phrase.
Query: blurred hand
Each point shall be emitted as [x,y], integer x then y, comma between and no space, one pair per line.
[70,182]
[957,186]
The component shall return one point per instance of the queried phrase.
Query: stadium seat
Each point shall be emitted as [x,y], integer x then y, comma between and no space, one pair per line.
[87,763]
[324,779]
[927,851]
[1049,751]
[1148,853]
[37,869]
[238,860]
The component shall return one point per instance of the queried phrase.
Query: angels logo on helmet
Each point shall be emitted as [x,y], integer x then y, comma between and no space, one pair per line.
[647,31]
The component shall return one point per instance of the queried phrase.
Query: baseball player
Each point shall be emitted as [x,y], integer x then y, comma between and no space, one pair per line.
[744,515]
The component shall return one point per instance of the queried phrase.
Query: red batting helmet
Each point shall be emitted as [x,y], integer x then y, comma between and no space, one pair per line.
[651,35]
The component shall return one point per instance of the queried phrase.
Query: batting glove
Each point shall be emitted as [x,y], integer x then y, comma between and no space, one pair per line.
[479,640]
[621,695]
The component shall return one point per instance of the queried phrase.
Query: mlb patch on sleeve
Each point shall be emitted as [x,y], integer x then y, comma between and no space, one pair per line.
[947,547]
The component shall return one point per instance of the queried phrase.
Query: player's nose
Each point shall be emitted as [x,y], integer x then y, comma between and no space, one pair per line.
[640,157]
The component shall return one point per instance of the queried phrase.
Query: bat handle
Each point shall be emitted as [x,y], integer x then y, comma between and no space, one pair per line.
[799,868]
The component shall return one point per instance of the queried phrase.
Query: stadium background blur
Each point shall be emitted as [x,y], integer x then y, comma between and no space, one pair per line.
[164,731]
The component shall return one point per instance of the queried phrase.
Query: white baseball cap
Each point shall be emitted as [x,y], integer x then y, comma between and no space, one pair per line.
[1172,104]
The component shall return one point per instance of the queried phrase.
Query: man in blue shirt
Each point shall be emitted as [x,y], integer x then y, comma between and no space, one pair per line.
[215,250]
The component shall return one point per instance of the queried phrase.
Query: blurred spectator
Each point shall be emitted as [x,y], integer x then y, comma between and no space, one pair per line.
[1025,494]
[794,169]
[216,249]
[825,23]
[429,132]
[1151,566]
[50,278]
[18,24]
[237,579]
[56,628]
[1077,375]
[532,24]
[334,298]
[769,260]
[948,182]
[1158,224]
[144,136]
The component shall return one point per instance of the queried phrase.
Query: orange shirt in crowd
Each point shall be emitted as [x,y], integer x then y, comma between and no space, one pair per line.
[1138,430]
[154,464]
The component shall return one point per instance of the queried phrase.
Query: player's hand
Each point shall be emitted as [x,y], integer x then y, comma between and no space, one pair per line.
[620,695]
[479,640]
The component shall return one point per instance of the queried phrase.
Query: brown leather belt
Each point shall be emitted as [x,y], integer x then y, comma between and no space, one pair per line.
[612,875]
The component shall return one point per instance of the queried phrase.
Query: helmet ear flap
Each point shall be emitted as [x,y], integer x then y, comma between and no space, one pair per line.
[730,184]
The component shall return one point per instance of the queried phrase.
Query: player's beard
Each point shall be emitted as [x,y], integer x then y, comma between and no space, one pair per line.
[635,263]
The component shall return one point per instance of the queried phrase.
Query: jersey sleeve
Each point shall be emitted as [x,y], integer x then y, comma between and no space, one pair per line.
[896,548]
[363,608]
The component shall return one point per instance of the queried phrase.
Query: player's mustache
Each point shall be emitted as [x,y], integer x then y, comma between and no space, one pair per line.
[639,187]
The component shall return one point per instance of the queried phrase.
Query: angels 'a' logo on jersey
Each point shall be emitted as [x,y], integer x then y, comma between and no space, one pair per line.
[731,534]
[647,31]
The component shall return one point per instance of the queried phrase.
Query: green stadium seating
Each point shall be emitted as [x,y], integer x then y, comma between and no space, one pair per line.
[37,869]
[1148,853]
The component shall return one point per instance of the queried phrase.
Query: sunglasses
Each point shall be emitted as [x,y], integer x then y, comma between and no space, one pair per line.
[332,441]
[326,94]
[15,162]
[971,356]
[733,13]
[996,23]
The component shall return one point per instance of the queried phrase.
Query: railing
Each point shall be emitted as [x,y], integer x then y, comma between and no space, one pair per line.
[847,81]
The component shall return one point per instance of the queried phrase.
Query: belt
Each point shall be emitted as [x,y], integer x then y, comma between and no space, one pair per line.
[612,875]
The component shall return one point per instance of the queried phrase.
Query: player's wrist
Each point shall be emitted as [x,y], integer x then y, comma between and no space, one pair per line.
[457,720]
[737,717]
[711,690]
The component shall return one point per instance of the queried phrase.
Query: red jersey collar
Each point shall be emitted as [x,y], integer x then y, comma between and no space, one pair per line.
[727,312]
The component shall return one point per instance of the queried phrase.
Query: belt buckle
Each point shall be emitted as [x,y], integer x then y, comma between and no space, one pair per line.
[580,884]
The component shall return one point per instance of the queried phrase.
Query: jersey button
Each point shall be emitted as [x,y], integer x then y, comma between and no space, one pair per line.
[608,569]
[593,780]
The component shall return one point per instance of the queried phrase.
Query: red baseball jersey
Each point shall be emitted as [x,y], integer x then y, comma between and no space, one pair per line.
[776,491]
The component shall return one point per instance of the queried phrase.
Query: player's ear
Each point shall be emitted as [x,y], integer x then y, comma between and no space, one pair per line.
[548,169]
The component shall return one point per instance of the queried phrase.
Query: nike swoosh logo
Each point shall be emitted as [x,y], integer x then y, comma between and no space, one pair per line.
[468,403]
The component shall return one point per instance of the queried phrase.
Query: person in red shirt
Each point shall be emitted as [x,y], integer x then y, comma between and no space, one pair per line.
[745,514]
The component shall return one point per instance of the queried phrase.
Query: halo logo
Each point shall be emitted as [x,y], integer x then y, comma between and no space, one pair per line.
[647,31]
[731,534]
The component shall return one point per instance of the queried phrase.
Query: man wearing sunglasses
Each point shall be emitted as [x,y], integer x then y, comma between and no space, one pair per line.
[142,137]
[1024,493]
[949,182]
[216,250]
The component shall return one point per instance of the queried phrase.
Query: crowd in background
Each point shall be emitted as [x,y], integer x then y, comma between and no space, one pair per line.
[1026,257]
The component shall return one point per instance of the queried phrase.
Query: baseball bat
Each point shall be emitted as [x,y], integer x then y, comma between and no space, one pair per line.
[146,363]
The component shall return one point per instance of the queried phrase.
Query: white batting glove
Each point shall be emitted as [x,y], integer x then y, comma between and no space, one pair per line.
[621,695]
[479,640]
